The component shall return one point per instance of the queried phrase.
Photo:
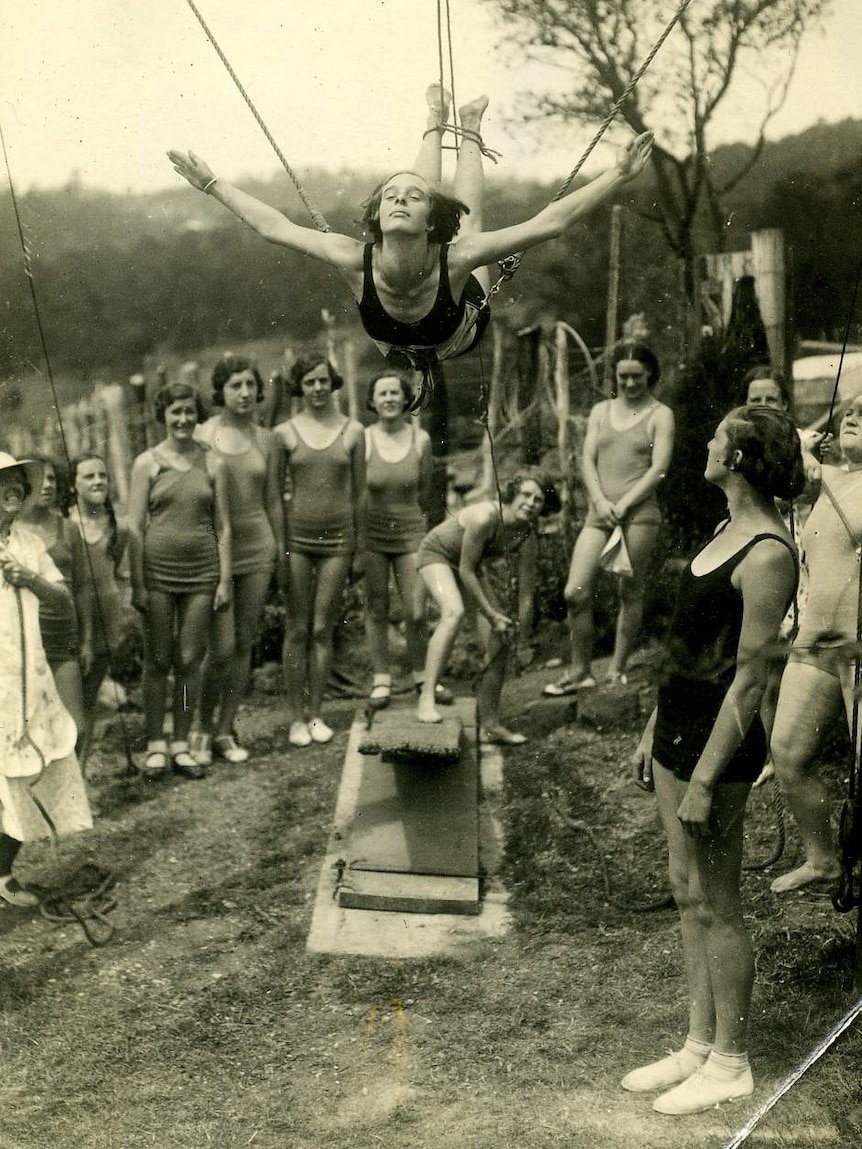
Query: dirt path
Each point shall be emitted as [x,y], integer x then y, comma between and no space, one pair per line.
[206,1022]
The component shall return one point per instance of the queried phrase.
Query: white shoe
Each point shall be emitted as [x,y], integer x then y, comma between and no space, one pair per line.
[319,731]
[661,1074]
[225,746]
[299,734]
[200,748]
[702,1091]
[13,892]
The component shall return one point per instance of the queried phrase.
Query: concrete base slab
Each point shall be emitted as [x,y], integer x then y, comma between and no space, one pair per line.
[337,928]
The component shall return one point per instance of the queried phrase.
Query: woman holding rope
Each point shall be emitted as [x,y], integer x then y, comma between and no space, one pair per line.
[421,292]
[450,560]
[704,745]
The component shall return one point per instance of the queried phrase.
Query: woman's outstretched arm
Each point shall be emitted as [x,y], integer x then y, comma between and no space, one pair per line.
[330,247]
[479,248]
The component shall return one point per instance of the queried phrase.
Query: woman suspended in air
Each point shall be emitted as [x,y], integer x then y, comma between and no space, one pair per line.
[421,283]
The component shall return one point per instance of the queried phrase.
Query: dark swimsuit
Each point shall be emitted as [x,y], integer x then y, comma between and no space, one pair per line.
[449,329]
[701,651]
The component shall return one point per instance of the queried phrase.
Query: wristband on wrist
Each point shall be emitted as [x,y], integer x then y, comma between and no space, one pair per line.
[209,184]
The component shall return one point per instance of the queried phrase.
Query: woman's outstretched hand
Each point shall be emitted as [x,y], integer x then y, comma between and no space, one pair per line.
[192,168]
[633,158]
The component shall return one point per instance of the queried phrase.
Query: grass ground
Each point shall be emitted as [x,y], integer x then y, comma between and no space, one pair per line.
[206,1022]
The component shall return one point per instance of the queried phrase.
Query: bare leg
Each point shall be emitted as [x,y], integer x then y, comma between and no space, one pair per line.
[297,634]
[429,161]
[470,176]
[193,619]
[249,595]
[579,598]
[216,666]
[411,590]
[90,683]
[377,610]
[67,679]
[441,582]
[704,877]
[808,701]
[328,596]
[640,542]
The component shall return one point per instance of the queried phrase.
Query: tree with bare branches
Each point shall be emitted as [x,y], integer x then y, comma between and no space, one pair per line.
[599,45]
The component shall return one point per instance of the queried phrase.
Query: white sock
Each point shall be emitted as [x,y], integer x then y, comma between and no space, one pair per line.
[727,1066]
[381,680]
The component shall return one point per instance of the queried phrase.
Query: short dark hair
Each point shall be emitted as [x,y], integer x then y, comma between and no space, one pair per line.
[232,365]
[643,354]
[444,213]
[765,371]
[307,362]
[392,373]
[60,474]
[510,487]
[770,450]
[170,393]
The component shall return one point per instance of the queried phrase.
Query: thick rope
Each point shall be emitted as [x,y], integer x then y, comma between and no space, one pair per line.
[316,215]
[511,263]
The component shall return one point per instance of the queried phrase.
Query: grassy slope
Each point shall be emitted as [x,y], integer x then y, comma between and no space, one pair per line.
[206,1022]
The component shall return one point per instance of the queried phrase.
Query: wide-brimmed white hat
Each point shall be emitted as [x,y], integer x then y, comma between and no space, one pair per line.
[32,468]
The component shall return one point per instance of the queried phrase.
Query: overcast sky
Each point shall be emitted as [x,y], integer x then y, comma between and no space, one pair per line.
[104,87]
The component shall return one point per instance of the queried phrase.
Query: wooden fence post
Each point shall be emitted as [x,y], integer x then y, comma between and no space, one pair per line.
[561,389]
[529,343]
[770,279]
[136,394]
[611,316]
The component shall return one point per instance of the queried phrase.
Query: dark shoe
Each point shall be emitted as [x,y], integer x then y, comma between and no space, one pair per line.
[185,763]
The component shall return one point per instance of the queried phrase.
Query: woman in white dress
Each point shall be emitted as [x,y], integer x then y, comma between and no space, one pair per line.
[42,791]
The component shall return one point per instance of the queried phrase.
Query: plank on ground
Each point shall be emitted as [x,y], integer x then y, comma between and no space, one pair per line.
[409,893]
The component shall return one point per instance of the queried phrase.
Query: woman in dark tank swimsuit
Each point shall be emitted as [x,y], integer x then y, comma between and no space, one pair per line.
[704,746]
[325,453]
[406,279]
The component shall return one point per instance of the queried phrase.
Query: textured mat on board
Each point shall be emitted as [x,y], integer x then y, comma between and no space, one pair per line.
[398,732]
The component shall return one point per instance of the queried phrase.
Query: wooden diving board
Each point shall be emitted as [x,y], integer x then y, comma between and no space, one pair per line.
[413,841]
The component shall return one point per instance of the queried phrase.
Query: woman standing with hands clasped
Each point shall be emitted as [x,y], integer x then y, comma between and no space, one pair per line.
[627,451]
[179,543]
[325,453]
[705,744]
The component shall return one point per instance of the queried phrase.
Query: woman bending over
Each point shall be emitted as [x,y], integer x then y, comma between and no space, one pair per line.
[179,542]
[325,454]
[450,561]
[705,744]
